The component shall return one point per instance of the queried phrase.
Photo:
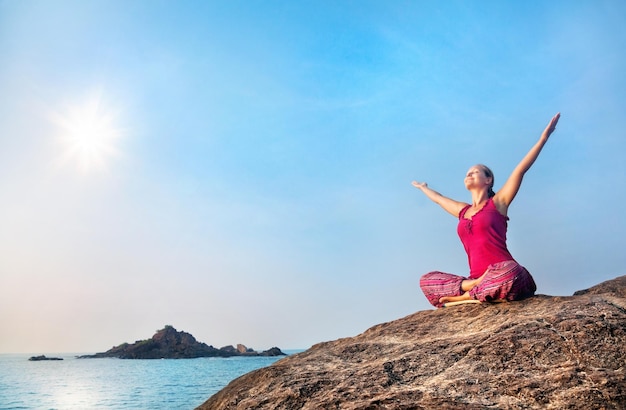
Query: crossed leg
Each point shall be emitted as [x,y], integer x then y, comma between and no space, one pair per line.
[466,285]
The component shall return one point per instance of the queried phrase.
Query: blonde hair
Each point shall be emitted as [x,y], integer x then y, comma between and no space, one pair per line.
[489,174]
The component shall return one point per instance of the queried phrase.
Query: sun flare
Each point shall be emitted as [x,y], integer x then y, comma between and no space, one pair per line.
[89,134]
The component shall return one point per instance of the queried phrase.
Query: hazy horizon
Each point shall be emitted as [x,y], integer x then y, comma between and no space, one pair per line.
[242,170]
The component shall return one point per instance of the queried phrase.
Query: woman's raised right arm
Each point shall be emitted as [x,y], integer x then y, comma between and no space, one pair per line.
[449,205]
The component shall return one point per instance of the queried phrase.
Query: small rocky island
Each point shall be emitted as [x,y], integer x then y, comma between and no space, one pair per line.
[43,358]
[168,343]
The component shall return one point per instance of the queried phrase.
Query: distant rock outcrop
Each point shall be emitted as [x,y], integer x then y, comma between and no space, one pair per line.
[168,343]
[540,353]
[43,358]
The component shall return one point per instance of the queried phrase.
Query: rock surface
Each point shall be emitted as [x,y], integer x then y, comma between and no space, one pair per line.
[541,353]
[168,343]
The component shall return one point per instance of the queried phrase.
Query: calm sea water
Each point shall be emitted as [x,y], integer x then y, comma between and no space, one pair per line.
[117,384]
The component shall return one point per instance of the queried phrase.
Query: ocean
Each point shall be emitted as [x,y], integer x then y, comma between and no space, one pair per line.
[117,384]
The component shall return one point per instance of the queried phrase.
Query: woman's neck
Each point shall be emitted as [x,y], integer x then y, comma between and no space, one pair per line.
[479,198]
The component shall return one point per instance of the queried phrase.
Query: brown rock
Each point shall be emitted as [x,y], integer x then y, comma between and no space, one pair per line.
[169,343]
[43,358]
[229,350]
[541,353]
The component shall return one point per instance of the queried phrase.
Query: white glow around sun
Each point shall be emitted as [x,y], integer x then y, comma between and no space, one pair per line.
[89,134]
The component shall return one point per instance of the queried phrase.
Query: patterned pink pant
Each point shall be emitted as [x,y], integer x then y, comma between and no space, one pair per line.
[503,280]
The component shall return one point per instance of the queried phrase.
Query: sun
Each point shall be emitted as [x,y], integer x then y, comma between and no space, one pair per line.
[89,134]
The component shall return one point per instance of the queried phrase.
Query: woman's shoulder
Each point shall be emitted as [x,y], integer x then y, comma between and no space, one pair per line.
[499,205]
[465,207]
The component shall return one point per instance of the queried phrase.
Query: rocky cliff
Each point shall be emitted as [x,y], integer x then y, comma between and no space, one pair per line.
[541,353]
[168,343]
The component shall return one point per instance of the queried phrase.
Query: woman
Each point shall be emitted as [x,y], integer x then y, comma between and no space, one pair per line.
[494,274]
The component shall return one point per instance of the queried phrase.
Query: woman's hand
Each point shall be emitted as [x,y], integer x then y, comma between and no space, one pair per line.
[551,126]
[450,205]
[507,193]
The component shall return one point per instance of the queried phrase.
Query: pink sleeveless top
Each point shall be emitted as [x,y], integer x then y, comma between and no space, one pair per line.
[484,238]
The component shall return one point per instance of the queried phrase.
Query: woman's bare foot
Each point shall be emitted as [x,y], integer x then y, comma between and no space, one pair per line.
[446,299]
[469,284]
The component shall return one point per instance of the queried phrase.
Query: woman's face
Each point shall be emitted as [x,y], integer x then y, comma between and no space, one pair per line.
[476,178]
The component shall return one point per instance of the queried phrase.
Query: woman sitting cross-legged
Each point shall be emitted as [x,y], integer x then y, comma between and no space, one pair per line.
[494,274]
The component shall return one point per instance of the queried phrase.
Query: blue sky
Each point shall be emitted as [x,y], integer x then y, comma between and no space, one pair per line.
[250,176]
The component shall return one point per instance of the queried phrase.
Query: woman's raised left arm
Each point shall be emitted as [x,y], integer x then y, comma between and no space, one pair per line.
[506,194]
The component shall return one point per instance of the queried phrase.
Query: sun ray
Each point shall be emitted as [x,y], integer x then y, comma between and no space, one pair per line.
[89,134]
